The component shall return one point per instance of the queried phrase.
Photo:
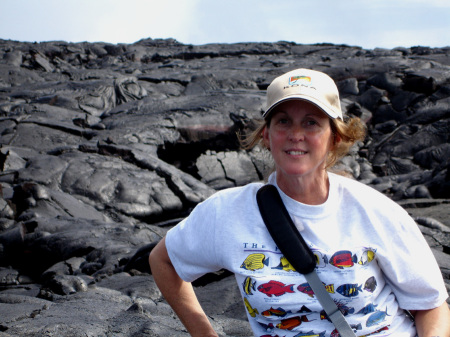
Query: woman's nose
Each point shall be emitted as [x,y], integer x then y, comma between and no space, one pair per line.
[296,134]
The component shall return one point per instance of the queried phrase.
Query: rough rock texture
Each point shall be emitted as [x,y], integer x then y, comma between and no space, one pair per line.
[105,147]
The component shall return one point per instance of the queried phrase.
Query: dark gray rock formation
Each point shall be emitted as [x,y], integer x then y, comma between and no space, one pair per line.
[105,147]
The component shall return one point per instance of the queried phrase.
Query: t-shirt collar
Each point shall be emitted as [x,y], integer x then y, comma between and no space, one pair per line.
[298,209]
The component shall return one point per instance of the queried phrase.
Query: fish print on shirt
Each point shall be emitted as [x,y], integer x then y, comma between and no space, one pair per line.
[248,285]
[255,261]
[279,312]
[349,290]
[304,309]
[367,309]
[376,318]
[311,334]
[293,322]
[354,327]
[306,289]
[371,284]
[321,259]
[343,259]
[367,256]
[342,307]
[284,265]
[303,334]
[277,289]
[252,311]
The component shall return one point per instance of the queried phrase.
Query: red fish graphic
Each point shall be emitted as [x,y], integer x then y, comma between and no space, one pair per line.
[306,289]
[343,259]
[275,288]
[280,312]
[291,323]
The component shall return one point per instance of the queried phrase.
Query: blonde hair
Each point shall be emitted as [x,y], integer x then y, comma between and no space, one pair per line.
[345,134]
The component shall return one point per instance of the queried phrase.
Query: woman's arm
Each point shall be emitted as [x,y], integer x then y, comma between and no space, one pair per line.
[178,293]
[434,322]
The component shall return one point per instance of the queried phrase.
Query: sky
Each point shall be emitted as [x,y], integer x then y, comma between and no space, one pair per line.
[366,23]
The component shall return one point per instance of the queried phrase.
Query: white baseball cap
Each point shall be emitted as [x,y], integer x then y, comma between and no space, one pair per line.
[305,84]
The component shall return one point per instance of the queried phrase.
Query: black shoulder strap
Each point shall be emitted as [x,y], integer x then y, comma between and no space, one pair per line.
[289,240]
[283,230]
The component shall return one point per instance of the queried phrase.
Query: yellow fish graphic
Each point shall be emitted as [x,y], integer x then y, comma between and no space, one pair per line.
[284,265]
[252,312]
[255,261]
[330,288]
[248,285]
[367,257]
[321,260]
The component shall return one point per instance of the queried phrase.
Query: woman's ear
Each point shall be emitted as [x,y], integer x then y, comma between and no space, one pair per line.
[337,139]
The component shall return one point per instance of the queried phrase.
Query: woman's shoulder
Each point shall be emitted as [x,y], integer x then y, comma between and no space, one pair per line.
[362,192]
[228,203]
[358,197]
[235,193]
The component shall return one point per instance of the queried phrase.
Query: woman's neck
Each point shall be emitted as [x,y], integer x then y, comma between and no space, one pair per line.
[306,189]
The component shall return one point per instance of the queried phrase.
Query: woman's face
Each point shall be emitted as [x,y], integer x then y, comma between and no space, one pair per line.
[299,137]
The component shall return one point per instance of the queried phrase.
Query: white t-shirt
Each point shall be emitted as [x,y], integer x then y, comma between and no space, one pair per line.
[370,254]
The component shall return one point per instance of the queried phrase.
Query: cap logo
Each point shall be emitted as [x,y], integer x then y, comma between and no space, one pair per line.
[300,80]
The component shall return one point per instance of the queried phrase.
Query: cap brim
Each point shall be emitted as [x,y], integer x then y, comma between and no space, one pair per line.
[330,112]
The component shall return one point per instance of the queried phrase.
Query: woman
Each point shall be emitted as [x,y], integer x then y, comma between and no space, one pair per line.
[370,254]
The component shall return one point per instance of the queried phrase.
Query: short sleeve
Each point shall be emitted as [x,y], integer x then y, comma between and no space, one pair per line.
[191,244]
[411,268]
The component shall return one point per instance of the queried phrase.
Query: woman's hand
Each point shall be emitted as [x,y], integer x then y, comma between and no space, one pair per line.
[178,293]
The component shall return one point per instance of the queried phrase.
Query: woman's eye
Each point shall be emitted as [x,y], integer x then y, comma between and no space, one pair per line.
[282,121]
[311,122]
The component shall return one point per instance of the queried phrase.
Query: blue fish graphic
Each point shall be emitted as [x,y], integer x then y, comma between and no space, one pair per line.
[367,309]
[376,318]
[310,334]
[349,290]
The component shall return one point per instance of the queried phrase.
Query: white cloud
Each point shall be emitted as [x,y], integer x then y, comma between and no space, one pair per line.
[352,22]
[409,38]
[427,3]
[374,23]
[99,20]
[136,19]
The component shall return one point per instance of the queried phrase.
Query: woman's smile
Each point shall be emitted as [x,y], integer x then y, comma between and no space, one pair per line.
[295,152]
